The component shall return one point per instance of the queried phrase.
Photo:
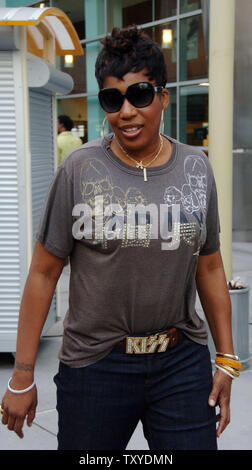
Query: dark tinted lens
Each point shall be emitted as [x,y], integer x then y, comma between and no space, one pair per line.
[111,100]
[140,94]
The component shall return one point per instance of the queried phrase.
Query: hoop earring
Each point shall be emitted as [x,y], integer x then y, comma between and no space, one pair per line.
[161,127]
[103,126]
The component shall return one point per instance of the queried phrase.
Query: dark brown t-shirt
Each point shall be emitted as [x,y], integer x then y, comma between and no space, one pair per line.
[133,245]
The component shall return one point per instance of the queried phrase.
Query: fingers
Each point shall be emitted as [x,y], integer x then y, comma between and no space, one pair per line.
[18,427]
[16,408]
[223,418]
[13,423]
[31,416]
[212,400]
[4,416]
[214,395]
[220,395]
[16,423]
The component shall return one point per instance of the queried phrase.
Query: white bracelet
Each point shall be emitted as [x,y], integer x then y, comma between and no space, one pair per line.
[224,370]
[19,391]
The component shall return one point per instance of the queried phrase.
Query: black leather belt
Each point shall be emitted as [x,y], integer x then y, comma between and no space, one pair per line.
[157,342]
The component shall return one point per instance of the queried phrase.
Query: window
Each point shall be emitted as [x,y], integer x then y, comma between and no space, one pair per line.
[164,8]
[171,114]
[187,6]
[76,108]
[76,67]
[123,13]
[193,117]
[166,36]
[193,60]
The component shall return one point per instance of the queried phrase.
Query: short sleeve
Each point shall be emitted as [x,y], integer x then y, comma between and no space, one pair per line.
[59,151]
[212,242]
[55,225]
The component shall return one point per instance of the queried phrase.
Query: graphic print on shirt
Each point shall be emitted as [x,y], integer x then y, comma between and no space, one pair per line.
[192,198]
[113,214]
[99,193]
[96,181]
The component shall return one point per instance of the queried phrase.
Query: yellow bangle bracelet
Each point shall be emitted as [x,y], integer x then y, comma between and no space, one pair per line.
[233,372]
[229,362]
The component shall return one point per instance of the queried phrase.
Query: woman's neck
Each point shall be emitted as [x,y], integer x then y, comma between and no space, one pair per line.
[160,154]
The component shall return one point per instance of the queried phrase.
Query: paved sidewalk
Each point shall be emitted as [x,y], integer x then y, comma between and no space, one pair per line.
[42,435]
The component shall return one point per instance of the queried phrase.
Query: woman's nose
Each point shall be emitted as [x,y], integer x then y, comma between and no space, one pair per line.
[127,110]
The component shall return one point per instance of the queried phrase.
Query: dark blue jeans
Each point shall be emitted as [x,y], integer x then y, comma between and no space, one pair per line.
[100,405]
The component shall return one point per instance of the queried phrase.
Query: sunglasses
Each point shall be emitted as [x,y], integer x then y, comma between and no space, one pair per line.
[139,95]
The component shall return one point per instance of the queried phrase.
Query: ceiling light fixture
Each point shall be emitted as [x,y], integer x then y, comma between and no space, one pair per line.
[166,38]
[69,61]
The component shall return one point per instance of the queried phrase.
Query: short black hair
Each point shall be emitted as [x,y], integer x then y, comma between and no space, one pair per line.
[66,121]
[130,50]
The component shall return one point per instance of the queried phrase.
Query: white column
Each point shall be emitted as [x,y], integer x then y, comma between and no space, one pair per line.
[221,72]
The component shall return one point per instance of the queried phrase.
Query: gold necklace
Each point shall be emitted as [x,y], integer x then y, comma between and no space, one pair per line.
[141,164]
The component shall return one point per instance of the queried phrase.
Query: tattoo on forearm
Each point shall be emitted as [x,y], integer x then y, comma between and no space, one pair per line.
[23,366]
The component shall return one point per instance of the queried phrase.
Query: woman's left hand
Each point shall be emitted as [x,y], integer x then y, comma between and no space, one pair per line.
[220,396]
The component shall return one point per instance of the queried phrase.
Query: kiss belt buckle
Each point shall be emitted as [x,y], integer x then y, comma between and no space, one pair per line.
[158,342]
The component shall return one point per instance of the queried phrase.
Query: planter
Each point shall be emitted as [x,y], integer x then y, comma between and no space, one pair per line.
[240,318]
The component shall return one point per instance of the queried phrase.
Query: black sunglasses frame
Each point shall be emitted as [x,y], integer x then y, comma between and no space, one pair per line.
[122,96]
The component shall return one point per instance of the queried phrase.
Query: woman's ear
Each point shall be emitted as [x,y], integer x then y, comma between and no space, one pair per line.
[165,98]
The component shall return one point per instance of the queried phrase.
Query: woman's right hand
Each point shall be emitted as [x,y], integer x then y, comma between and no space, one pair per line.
[17,407]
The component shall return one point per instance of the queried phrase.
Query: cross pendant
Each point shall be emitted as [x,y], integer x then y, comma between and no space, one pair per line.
[140,165]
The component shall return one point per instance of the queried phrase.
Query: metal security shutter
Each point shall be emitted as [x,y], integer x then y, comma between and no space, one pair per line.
[9,208]
[42,152]
[42,163]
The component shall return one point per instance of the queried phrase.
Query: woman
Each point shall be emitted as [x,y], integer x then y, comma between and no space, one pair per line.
[136,212]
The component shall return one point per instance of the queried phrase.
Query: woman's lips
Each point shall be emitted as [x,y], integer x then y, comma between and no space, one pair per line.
[130,132]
